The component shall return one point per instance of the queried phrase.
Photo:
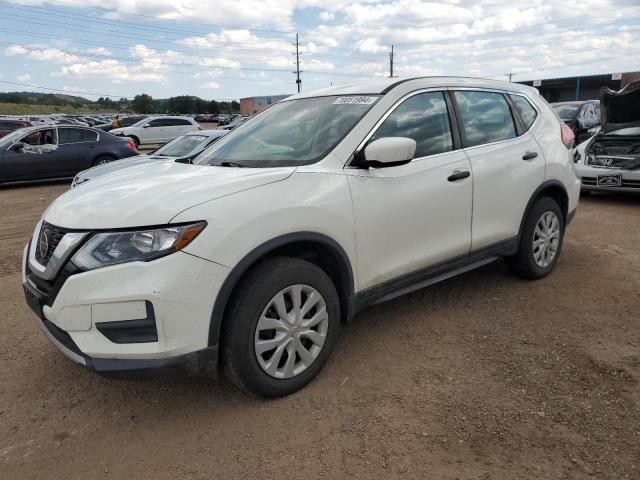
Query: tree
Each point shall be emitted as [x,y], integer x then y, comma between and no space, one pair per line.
[213,107]
[142,103]
[235,106]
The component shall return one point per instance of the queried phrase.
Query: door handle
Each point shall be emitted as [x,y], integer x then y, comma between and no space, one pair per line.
[530,155]
[458,175]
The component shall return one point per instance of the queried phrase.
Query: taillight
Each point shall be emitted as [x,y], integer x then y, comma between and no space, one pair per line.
[567,135]
[130,144]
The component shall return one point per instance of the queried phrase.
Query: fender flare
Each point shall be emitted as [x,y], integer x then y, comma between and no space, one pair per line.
[536,195]
[243,266]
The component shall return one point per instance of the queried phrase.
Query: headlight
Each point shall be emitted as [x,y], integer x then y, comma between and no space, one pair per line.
[110,248]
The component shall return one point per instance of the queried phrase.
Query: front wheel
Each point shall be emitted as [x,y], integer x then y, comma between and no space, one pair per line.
[541,240]
[281,326]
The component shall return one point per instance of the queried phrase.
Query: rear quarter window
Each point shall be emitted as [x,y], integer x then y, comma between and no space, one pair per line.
[526,111]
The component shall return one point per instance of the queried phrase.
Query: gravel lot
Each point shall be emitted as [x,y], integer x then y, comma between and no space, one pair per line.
[484,376]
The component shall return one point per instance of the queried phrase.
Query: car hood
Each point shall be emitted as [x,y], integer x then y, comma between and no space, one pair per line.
[116,165]
[152,194]
[620,109]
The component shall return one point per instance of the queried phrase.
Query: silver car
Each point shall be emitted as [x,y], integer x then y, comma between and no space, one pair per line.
[183,148]
[611,159]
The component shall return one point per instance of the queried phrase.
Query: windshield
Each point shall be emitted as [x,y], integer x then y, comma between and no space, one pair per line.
[289,133]
[181,146]
[567,112]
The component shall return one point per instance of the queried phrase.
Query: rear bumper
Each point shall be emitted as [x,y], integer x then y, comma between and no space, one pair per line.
[200,362]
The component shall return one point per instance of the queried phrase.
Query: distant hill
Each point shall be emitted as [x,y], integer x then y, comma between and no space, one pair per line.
[42,98]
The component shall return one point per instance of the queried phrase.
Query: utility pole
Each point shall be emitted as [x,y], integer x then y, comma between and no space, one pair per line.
[391,63]
[297,72]
[510,75]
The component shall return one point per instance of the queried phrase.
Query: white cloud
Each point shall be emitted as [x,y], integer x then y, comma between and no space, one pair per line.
[210,85]
[326,16]
[113,70]
[100,51]
[24,77]
[15,50]
[41,54]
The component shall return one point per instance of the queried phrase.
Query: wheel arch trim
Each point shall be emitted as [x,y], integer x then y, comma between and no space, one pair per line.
[243,266]
[536,194]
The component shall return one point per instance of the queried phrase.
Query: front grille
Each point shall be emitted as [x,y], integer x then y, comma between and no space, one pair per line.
[593,181]
[45,246]
[621,163]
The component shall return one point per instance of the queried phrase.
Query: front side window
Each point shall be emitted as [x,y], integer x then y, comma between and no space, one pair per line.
[41,137]
[290,133]
[423,118]
[525,110]
[160,122]
[485,117]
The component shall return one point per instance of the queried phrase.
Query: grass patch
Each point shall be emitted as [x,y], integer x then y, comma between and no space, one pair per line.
[28,109]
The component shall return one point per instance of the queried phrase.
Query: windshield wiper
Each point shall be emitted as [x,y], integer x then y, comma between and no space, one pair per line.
[231,164]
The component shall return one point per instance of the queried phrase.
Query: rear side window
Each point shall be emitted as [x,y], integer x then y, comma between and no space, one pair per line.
[180,121]
[525,110]
[423,118]
[485,117]
[71,135]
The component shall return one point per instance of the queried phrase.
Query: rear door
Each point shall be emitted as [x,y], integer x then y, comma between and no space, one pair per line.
[506,162]
[76,147]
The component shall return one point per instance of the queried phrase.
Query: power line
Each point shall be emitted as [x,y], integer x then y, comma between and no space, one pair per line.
[162,19]
[63,90]
[141,37]
[531,27]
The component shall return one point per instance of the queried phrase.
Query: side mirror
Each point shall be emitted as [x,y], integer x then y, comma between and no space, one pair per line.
[390,151]
[146,126]
[17,147]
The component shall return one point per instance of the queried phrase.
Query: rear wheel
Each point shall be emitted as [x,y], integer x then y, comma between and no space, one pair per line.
[135,140]
[541,240]
[281,326]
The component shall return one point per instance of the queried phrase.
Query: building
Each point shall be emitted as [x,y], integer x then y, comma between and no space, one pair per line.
[251,105]
[581,88]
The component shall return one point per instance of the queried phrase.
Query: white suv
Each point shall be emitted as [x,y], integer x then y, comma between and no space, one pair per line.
[153,130]
[317,207]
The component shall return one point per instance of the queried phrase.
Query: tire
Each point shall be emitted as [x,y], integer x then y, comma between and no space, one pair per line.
[529,262]
[243,335]
[135,140]
[102,159]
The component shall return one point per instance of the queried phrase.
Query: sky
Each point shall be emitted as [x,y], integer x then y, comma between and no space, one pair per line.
[229,49]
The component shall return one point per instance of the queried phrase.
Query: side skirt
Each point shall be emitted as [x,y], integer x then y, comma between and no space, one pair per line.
[434,274]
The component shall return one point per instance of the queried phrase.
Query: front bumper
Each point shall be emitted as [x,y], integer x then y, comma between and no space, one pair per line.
[179,289]
[589,177]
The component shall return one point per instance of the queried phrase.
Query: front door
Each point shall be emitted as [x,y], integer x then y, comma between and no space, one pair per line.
[37,159]
[412,216]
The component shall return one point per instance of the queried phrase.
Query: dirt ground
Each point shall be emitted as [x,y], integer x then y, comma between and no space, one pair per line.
[484,376]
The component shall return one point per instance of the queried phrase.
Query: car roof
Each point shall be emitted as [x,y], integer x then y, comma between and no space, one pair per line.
[209,133]
[384,85]
[576,102]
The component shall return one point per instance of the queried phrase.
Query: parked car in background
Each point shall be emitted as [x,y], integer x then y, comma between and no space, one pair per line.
[157,129]
[184,149]
[235,123]
[7,125]
[125,121]
[611,159]
[36,153]
[581,116]
[253,255]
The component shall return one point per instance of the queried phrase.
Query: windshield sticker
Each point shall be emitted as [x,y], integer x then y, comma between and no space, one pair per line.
[355,100]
